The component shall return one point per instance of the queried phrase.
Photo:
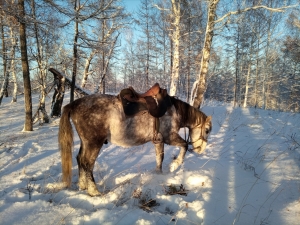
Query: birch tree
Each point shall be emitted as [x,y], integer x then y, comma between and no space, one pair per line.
[199,86]
[5,78]
[9,68]
[176,14]
[41,69]
[10,27]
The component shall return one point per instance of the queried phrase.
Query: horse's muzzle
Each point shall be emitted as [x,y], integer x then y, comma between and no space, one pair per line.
[199,146]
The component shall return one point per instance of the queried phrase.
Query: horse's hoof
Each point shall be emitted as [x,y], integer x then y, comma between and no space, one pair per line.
[158,171]
[94,193]
[92,190]
[173,166]
[81,186]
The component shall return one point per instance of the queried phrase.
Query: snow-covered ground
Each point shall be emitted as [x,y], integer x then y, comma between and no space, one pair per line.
[249,174]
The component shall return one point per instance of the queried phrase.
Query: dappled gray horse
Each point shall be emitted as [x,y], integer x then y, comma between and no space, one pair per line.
[100,118]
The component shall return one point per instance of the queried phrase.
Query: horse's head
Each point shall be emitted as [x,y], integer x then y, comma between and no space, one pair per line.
[199,134]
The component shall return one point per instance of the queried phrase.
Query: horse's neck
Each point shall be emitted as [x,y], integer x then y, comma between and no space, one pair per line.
[197,117]
[190,116]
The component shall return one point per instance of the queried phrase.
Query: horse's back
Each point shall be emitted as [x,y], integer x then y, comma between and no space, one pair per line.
[93,105]
[92,114]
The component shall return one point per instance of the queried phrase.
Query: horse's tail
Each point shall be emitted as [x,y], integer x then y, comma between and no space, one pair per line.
[65,141]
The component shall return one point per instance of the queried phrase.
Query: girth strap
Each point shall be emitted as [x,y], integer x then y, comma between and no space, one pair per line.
[157,137]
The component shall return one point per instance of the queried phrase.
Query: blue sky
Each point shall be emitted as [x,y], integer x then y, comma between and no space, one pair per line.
[131,5]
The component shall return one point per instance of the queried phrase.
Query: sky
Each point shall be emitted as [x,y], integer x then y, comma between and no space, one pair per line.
[131,5]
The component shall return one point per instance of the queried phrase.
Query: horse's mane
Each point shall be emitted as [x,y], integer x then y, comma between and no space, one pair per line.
[189,114]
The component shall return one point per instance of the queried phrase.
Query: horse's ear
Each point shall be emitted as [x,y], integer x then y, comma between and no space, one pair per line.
[208,119]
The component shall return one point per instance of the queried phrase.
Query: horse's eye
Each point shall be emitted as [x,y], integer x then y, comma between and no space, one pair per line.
[206,131]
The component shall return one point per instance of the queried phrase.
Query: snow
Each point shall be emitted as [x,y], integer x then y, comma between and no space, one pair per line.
[249,174]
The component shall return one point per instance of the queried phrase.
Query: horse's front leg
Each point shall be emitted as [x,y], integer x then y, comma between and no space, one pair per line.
[176,140]
[159,150]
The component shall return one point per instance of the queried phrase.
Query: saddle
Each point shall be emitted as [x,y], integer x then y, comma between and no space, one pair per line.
[156,101]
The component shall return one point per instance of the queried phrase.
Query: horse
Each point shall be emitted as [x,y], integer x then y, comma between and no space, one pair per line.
[100,118]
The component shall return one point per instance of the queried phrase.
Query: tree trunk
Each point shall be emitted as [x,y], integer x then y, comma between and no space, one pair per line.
[188,60]
[247,85]
[58,97]
[171,58]
[175,42]
[14,76]
[86,68]
[104,70]
[256,73]
[60,81]
[42,75]
[103,57]
[4,56]
[267,65]
[165,60]
[4,84]
[236,69]
[10,65]
[13,69]
[148,46]
[75,56]
[25,68]
[200,84]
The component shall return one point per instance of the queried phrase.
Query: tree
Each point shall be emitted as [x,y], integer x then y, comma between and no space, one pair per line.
[9,65]
[200,85]
[25,68]
[105,65]
[176,14]
[5,75]
[42,72]
[144,20]
[77,8]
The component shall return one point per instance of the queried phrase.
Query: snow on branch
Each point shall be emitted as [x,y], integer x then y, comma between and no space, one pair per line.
[161,9]
[254,8]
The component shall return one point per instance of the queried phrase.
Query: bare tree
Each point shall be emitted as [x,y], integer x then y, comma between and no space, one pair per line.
[144,21]
[176,14]
[42,71]
[5,77]
[105,66]
[9,68]
[25,68]
[200,85]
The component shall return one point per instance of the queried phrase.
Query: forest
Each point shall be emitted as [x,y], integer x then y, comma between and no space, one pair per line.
[237,60]
[245,52]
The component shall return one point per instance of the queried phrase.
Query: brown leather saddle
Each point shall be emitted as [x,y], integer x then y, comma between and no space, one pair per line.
[156,100]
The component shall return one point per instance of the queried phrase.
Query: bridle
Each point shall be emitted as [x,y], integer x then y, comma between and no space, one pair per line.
[201,137]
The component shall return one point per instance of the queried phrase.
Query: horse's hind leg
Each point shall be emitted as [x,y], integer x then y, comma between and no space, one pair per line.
[86,160]
[82,183]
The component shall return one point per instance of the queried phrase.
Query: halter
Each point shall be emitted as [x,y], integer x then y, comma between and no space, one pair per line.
[200,137]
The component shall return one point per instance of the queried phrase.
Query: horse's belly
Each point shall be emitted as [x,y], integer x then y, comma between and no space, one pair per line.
[127,137]
[126,141]
[131,131]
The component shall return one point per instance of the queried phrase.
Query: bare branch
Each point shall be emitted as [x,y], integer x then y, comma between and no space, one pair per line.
[159,8]
[254,8]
